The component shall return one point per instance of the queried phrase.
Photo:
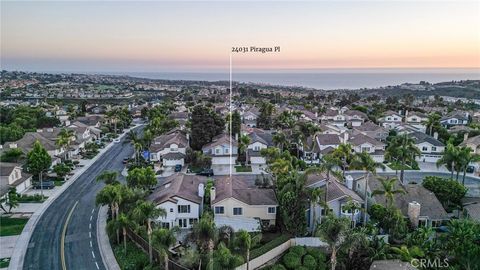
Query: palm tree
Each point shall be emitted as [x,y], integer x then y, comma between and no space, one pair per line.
[364,160]
[109,177]
[388,190]
[404,148]
[352,206]
[121,223]
[344,153]
[433,120]
[280,140]
[64,140]
[334,231]
[450,158]
[328,165]
[316,195]
[245,241]
[244,141]
[138,148]
[163,239]
[466,157]
[205,232]
[144,212]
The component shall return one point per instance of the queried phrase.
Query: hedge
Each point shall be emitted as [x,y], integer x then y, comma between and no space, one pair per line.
[269,246]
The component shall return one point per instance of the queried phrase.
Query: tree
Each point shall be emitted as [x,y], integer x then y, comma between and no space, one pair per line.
[10,200]
[12,155]
[61,170]
[450,158]
[224,259]
[364,160]
[122,222]
[316,195]
[143,178]
[205,124]
[204,233]
[265,118]
[64,140]
[334,231]
[108,177]
[461,243]
[38,161]
[344,153]
[245,241]
[388,190]
[433,122]
[162,239]
[244,141]
[352,206]
[236,122]
[448,191]
[280,140]
[466,157]
[403,147]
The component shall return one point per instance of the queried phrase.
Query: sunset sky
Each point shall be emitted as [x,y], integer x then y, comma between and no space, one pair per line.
[118,36]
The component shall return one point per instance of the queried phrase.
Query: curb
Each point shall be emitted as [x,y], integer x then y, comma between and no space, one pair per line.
[20,250]
[106,252]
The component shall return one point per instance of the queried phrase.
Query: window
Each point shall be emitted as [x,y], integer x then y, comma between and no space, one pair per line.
[171,210]
[256,148]
[272,210]
[434,148]
[226,150]
[184,209]
[219,210]
[192,221]
[237,211]
[217,151]
[366,149]
[424,148]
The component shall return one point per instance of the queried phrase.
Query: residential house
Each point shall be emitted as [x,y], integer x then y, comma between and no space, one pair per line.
[372,130]
[11,175]
[430,147]
[363,143]
[259,140]
[390,119]
[455,119]
[180,117]
[238,203]
[473,143]
[250,117]
[344,117]
[27,141]
[336,194]
[182,198]
[224,151]
[169,149]
[418,204]
[416,119]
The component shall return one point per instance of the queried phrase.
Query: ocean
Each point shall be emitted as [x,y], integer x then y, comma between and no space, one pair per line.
[326,79]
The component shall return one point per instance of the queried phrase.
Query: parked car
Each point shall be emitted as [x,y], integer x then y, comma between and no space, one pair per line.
[178,168]
[470,169]
[117,140]
[125,160]
[206,172]
[44,185]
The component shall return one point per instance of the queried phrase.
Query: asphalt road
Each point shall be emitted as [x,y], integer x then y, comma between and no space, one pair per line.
[78,204]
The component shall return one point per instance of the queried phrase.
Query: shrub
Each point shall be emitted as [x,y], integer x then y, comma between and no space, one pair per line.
[278,267]
[319,257]
[301,268]
[309,262]
[299,250]
[292,261]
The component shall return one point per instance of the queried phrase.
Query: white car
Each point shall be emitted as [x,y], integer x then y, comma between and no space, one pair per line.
[117,140]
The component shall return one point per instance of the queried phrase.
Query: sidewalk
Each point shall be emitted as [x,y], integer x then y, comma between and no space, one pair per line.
[23,239]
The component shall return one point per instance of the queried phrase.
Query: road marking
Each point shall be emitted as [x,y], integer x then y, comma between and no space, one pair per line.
[91,218]
[97,265]
[91,243]
[93,210]
[90,234]
[90,226]
[93,254]
[64,232]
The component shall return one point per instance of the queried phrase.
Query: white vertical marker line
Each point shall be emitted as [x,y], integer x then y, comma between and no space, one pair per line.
[231,116]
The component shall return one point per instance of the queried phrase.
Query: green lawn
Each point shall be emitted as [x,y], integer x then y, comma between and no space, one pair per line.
[4,262]
[243,168]
[396,166]
[12,226]
[134,259]
[58,183]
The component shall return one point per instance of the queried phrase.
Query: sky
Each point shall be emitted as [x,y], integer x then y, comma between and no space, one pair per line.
[163,36]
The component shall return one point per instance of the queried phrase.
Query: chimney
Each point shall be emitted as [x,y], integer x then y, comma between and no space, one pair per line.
[213,194]
[465,136]
[201,190]
[435,135]
[413,213]
[345,137]
[349,182]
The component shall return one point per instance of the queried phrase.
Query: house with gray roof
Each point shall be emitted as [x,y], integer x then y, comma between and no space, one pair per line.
[169,149]
[363,143]
[12,176]
[259,140]
[455,119]
[372,130]
[336,195]
[430,147]
[224,151]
